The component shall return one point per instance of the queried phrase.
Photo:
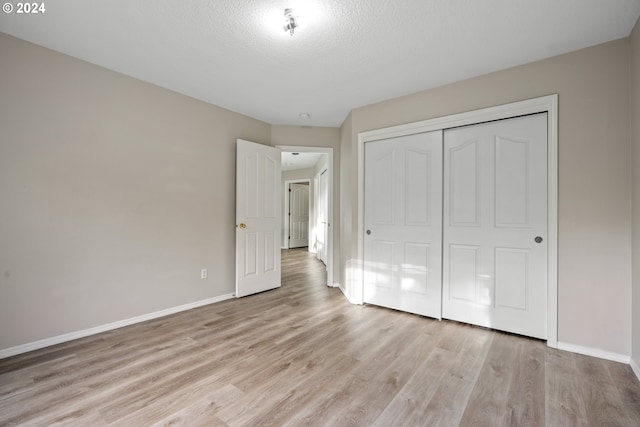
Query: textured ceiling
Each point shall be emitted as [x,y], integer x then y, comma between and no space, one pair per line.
[302,160]
[345,54]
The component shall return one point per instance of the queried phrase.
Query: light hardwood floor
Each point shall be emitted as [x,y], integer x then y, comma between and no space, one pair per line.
[302,355]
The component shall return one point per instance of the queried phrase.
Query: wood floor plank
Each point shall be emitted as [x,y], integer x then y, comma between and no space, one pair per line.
[275,402]
[368,404]
[454,387]
[472,353]
[410,403]
[110,382]
[525,401]
[86,366]
[302,355]
[626,384]
[202,411]
[602,399]
[64,417]
[164,405]
[21,380]
[306,395]
[447,405]
[564,405]
[165,384]
[488,402]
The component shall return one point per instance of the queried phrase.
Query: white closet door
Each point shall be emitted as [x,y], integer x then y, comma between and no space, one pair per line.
[495,225]
[403,223]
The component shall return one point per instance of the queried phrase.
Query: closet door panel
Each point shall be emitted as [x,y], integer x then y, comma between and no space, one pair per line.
[494,236]
[403,223]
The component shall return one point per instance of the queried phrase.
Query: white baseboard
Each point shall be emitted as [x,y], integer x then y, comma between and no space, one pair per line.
[347,296]
[24,348]
[595,352]
[635,367]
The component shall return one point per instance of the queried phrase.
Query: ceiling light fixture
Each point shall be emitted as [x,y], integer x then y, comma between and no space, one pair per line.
[290,22]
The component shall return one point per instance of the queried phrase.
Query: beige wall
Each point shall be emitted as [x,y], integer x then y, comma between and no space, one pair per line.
[113,195]
[634,120]
[594,218]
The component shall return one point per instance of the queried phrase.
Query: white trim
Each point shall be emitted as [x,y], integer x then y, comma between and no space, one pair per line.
[316,193]
[24,348]
[329,152]
[635,368]
[594,352]
[346,295]
[285,216]
[547,104]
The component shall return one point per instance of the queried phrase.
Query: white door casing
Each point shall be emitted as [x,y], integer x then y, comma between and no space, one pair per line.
[258,218]
[298,215]
[403,222]
[323,217]
[495,225]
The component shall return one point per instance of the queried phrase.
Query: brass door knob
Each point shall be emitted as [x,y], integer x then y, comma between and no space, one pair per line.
[243,225]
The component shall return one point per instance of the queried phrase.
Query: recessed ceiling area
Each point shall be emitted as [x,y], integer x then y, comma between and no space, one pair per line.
[344,54]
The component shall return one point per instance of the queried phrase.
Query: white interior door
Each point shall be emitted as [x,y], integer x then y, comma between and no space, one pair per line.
[323,216]
[258,218]
[403,223]
[495,225]
[298,215]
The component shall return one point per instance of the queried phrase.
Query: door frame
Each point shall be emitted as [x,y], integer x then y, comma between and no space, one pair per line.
[316,197]
[548,104]
[329,152]
[286,219]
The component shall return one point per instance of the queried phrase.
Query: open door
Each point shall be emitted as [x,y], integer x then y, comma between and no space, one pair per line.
[258,218]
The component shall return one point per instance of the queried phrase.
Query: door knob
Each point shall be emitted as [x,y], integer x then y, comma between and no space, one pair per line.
[242,225]
[368,231]
[538,239]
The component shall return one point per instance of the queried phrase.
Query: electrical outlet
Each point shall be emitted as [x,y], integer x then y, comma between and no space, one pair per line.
[203,273]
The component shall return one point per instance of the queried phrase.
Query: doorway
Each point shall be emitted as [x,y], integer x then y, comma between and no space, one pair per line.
[297,214]
[311,166]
